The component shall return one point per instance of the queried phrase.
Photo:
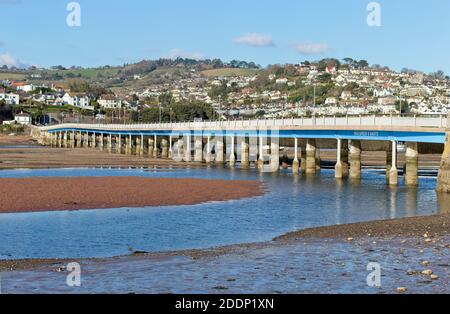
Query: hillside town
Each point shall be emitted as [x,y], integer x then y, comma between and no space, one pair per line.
[234,91]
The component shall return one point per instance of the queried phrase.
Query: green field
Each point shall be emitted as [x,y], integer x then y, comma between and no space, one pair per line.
[12,76]
[90,73]
[229,72]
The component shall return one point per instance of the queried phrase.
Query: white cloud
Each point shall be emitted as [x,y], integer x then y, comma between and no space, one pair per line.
[311,48]
[179,53]
[256,40]
[9,60]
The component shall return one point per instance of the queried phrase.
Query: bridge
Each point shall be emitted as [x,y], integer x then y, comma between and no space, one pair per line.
[259,141]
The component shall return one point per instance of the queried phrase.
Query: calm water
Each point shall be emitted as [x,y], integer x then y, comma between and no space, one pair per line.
[290,204]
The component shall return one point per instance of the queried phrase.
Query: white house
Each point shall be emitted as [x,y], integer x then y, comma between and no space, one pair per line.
[10,98]
[27,88]
[110,102]
[281,81]
[382,92]
[78,100]
[23,118]
[331,101]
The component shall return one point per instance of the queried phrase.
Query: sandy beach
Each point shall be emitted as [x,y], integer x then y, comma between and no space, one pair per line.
[48,194]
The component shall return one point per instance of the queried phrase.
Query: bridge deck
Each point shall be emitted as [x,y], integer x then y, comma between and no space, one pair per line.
[428,129]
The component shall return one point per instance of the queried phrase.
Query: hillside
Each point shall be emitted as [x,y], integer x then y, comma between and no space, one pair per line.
[229,72]
[12,76]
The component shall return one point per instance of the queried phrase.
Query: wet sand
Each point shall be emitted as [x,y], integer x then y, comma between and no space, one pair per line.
[405,227]
[51,194]
[19,140]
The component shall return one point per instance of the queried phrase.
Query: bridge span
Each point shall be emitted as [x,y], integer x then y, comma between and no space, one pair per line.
[258,141]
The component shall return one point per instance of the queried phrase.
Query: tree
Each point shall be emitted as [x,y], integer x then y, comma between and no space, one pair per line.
[165,99]
[363,64]
[348,61]
[405,107]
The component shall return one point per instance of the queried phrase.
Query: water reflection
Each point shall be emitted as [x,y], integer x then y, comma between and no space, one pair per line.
[411,202]
[291,203]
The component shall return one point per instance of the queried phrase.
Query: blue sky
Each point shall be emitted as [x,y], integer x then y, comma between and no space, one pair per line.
[413,33]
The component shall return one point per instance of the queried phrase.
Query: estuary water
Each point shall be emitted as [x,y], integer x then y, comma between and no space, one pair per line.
[291,203]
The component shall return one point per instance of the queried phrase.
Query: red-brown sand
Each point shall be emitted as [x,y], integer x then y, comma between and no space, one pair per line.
[50,194]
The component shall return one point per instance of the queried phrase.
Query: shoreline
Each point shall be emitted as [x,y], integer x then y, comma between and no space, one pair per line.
[426,229]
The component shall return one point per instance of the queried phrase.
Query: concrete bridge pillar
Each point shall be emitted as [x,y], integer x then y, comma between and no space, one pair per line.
[142,146]
[355,159]
[86,140]
[338,168]
[443,183]
[164,148]
[274,155]
[344,159]
[170,153]
[187,153]
[198,156]
[129,145]
[138,145]
[151,147]
[388,162]
[94,140]
[79,138]
[303,159]
[261,154]
[101,143]
[393,173]
[59,140]
[73,140]
[245,154]
[232,153]
[155,147]
[295,163]
[412,164]
[119,144]
[66,140]
[317,159]
[311,166]
[219,150]
[180,149]
[208,150]
[109,144]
